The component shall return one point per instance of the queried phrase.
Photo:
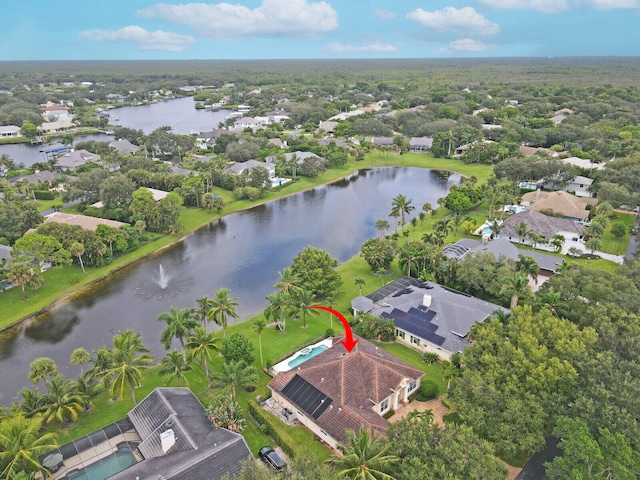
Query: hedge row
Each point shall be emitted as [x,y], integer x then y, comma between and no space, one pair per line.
[281,437]
[43,195]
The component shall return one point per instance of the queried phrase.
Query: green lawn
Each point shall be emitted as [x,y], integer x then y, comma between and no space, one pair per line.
[613,245]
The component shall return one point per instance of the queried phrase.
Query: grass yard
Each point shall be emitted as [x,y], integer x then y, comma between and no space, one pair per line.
[612,244]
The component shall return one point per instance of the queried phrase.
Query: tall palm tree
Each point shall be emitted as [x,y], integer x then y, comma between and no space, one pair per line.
[426,208]
[402,205]
[77,250]
[223,307]
[62,401]
[522,231]
[450,371]
[364,457]
[528,266]
[80,356]
[536,239]
[199,344]
[518,287]
[201,312]
[382,226]
[31,401]
[173,366]
[549,300]
[41,369]
[129,358]
[278,308]
[304,300]
[19,273]
[21,442]
[101,361]
[259,325]
[558,241]
[360,283]
[180,323]
[288,282]
[236,374]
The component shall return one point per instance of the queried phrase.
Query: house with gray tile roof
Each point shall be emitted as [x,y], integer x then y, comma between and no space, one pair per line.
[336,390]
[167,435]
[420,144]
[502,247]
[124,147]
[239,168]
[71,160]
[429,317]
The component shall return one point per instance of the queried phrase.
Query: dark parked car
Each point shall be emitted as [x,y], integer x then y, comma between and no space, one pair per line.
[271,458]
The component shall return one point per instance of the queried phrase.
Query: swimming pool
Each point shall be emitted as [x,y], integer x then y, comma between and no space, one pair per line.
[302,355]
[307,355]
[106,467]
[276,182]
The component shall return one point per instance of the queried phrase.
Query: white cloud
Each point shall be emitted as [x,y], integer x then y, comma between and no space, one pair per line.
[295,18]
[374,46]
[451,19]
[158,40]
[545,6]
[613,4]
[384,14]
[469,45]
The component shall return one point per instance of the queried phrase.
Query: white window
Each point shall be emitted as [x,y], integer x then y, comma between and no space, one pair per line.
[324,433]
[415,340]
[384,405]
[399,333]
[413,385]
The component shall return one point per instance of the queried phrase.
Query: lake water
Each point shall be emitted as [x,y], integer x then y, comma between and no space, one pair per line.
[243,251]
[180,114]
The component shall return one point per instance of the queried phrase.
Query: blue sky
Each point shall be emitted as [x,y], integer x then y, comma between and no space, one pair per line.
[295,29]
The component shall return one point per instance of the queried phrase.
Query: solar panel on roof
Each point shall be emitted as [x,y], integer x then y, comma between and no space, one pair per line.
[306,396]
[429,315]
[437,339]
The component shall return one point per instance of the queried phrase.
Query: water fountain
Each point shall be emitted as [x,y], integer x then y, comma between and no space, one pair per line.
[163,279]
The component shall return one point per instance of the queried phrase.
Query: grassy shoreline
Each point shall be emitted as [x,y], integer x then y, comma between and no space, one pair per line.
[67,282]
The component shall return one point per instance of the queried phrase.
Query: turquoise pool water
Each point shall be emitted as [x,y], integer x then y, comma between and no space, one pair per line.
[487,231]
[303,358]
[105,468]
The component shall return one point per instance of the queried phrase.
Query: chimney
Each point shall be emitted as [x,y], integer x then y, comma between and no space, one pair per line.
[426,300]
[167,439]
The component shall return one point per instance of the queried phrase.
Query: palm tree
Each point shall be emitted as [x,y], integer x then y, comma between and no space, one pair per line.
[41,369]
[19,273]
[62,401]
[443,226]
[536,239]
[21,442]
[402,205]
[173,366]
[558,241]
[288,282]
[80,356]
[129,358]
[426,208]
[304,300]
[528,266]
[382,226]
[223,307]
[360,282]
[31,402]
[102,362]
[593,244]
[450,371]
[603,208]
[549,300]
[180,323]
[199,344]
[279,305]
[522,231]
[518,287]
[364,457]
[259,325]
[236,374]
[201,312]
[502,316]
[77,250]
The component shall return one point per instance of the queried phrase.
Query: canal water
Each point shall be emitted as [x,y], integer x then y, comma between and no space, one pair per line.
[243,251]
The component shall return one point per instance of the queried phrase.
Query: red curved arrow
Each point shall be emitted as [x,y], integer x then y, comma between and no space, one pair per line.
[349,343]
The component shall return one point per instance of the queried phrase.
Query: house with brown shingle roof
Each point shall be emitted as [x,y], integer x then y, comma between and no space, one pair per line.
[561,202]
[336,390]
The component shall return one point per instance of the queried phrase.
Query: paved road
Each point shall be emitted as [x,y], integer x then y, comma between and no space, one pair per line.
[534,469]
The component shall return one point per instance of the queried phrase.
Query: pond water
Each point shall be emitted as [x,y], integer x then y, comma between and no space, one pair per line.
[243,252]
[180,114]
